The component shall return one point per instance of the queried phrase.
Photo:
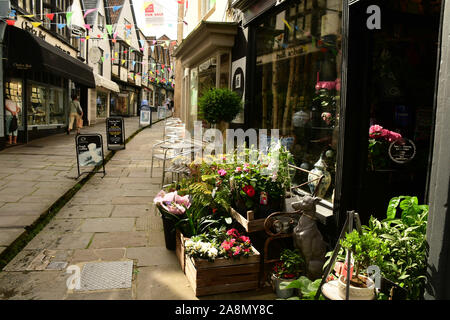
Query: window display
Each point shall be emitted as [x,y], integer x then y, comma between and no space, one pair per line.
[119,104]
[46,106]
[102,99]
[298,84]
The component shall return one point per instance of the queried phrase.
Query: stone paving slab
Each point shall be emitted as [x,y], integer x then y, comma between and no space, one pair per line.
[152,256]
[108,224]
[118,294]
[7,236]
[119,239]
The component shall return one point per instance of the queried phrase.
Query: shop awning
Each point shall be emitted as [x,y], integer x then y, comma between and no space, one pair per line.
[27,51]
[206,39]
[105,83]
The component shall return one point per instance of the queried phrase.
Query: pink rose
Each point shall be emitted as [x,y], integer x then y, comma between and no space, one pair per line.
[375,130]
[222,172]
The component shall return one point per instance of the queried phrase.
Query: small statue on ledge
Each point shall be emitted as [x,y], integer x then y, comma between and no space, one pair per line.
[307,237]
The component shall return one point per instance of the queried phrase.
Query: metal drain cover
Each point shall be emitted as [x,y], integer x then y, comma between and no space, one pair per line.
[106,275]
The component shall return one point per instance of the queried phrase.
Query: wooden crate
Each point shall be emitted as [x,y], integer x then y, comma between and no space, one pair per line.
[250,224]
[223,275]
[179,250]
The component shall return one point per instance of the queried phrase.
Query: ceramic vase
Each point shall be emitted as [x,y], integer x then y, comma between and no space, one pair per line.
[320,168]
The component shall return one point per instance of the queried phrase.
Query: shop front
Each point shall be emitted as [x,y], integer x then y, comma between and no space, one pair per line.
[125,103]
[353,88]
[205,56]
[39,77]
[100,97]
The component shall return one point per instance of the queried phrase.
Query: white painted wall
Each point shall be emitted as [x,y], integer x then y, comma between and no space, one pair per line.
[193,14]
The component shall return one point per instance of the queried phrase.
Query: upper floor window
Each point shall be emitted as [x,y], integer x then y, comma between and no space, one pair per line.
[207,5]
[100,21]
[100,64]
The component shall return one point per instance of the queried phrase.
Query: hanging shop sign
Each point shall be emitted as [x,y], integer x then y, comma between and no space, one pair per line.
[402,151]
[115,133]
[89,149]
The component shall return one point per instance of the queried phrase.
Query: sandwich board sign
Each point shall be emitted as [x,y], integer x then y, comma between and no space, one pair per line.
[115,133]
[89,150]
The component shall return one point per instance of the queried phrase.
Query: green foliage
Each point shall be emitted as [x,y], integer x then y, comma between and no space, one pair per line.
[218,104]
[291,264]
[367,249]
[307,288]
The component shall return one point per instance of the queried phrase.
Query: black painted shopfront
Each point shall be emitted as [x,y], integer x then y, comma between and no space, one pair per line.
[41,77]
[320,75]
[352,86]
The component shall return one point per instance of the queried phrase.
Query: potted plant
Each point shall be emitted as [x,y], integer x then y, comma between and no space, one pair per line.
[379,140]
[366,249]
[172,208]
[286,270]
[219,106]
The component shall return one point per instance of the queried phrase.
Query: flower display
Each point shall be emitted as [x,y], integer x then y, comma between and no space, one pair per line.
[376,132]
[249,190]
[219,244]
[222,172]
[290,265]
[172,203]
[379,140]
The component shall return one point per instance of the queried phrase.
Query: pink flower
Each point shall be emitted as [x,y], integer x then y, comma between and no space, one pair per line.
[237,250]
[159,197]
[246,167]
[222,172]
[226,245]
[184,201]
[247,250]
[245,239]
[375,131]
[232,241]
[393,136]
[169,197]
[232,232]
[238,169]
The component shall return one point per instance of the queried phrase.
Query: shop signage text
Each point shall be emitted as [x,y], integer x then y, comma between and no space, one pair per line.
[29,27]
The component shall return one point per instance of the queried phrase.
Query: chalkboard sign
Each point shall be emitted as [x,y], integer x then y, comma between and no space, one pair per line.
[115,133]
[89,149]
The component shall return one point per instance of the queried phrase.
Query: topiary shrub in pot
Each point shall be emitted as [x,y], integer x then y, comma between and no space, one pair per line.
[219,106]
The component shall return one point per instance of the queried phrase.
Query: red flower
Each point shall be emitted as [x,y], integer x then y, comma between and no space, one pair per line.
[289,276]
[214,210]
[237,250]
[245,239]
[233,232]
[249,190]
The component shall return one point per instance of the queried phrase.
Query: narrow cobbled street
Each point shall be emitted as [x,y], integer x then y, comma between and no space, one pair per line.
[111,219]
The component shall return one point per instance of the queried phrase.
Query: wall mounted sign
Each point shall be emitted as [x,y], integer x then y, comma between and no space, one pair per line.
[402,151]
[89,149]
[115,133]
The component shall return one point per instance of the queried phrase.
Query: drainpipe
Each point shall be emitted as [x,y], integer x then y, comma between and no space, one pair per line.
[5,8]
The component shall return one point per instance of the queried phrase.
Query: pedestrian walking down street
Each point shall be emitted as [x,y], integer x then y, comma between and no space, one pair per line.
[12,110]
[76,114]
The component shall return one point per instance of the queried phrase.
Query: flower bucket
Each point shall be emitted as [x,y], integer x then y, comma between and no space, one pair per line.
[169,232]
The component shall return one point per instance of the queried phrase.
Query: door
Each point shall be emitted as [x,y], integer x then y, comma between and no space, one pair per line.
[389,105]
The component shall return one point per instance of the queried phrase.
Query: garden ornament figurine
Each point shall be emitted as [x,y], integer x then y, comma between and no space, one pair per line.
[307,237]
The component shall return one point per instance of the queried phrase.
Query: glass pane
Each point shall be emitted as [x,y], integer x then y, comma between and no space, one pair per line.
[206,75]
[37,108]
[101,104]
[224,70]
[56,106]
[298,85]
[193,95]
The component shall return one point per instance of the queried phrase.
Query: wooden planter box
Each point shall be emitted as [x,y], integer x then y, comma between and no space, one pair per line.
[222,275]
[249,223]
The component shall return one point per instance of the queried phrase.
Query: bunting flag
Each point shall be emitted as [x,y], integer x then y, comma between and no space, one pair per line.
[61,25]
[123,61]
[36,24]
[115,8]
[10,22]
[50,16]
[103,59]
[128,26]
[115,34]
[89,11]
[109,28]
[87,26]
[142,42]
[69,17]
[28,16]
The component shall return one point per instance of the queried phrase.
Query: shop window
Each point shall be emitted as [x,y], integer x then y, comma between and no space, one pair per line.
[194,95]
[46,106]
[119,104]
[102,99]
[56,106]
[297,85]
[224,70]
[207,75]
[207,6]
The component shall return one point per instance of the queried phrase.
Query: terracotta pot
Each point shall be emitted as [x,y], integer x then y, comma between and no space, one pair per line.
[357,293]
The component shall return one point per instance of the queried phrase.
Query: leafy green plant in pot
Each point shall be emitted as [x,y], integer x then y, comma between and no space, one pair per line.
[287,269]
[367,249]
[219,106]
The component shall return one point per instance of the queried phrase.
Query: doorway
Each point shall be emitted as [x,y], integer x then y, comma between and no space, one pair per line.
[389,108]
